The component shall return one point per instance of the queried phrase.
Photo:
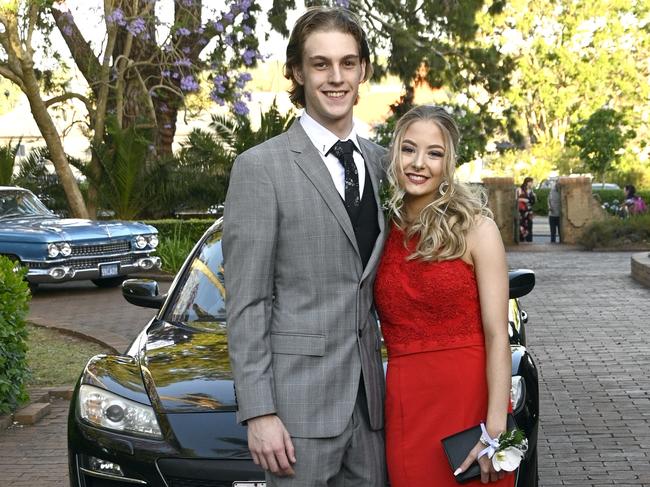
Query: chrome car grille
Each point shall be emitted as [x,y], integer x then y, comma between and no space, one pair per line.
[101,249]
[79,264]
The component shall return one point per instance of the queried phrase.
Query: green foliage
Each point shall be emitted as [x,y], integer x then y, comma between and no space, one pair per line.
[615,232]
[7,162]
[192,229]
[14,298]
[174,250]
[134,182]
[177,239]
[433,42]
[34,175]
[601,138]
[541,203]
[583,56]
[204,163]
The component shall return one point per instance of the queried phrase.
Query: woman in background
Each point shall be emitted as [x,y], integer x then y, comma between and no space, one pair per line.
[442,297]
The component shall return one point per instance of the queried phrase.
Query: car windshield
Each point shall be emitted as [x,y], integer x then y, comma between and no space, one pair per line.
[21,204]
[201,298]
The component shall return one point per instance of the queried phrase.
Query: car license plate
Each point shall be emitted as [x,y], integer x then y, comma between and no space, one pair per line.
[108,270]
[249,484]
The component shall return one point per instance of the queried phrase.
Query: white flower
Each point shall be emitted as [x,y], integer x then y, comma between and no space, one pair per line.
[507,459]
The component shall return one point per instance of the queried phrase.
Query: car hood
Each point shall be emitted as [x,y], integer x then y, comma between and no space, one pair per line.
[187,369]
[58,229]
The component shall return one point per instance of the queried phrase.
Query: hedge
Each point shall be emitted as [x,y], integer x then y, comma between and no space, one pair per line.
[14,299]
[170,229]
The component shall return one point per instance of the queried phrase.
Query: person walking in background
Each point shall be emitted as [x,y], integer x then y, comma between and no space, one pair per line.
[442,297]
[554,212]
[525,200]
[633,203]
[302,237]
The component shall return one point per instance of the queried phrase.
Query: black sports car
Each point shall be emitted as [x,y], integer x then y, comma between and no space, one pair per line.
[163,413]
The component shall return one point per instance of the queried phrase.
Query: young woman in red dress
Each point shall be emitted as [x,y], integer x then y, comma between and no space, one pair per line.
[442,296]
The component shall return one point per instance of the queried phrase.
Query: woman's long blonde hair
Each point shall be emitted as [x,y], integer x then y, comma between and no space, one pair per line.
[444,223]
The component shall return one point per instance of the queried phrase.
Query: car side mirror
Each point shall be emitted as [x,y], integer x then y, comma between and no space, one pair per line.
[143,292]
[522,281]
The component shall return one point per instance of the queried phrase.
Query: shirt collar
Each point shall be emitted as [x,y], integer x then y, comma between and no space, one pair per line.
[322,138]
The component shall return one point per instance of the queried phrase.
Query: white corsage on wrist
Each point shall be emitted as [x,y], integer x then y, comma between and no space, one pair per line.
[506,451]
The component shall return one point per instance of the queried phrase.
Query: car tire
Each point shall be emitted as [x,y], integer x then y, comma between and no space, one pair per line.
[109,282]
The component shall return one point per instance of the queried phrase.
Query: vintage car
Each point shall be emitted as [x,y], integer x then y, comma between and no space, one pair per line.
[62,249]
[163,412]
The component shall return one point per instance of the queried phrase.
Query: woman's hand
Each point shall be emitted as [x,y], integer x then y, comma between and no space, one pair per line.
[488,474]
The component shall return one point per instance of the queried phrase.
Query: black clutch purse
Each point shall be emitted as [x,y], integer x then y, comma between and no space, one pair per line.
[458,446]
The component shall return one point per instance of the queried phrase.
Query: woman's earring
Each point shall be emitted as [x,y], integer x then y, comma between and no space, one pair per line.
[442,189]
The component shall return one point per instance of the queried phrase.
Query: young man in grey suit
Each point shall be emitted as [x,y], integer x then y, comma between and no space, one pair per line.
[303,233]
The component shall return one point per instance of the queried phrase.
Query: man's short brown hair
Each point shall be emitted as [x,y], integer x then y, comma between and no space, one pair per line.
[321,19]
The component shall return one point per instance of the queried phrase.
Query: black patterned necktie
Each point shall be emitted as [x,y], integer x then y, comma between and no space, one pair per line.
[344,152]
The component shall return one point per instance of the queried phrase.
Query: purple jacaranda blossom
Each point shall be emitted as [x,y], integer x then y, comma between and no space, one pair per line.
[117,17]
[218,26]
[183,31]
[247,30]
[200,30]
[137,26]
[183,62]
[342,3]
[202,41]
[163,107]
[249,56]
[165,73]
[240,108]
[229,17]
[175,75]
[167,125]
[245,5]
[228,40]
[214,95]
[242,79]
[188,3]
[189,84]
[186,50]
[67,29]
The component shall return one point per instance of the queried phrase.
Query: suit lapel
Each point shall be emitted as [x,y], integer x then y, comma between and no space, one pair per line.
[309,160]
[371,168]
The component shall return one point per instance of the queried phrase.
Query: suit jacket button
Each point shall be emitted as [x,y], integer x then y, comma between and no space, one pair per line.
[360,333]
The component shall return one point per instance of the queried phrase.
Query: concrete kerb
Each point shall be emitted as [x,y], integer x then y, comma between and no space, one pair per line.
[640,264]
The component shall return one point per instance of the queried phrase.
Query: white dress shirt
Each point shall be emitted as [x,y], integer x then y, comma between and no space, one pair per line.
[323,140]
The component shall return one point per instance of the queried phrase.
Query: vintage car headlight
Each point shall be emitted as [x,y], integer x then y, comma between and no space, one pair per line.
[65,249]
[140,242]
[153,241]
[517,391]
[52,250]
[107,410]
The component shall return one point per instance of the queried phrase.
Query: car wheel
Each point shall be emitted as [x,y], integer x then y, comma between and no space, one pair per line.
[109,282]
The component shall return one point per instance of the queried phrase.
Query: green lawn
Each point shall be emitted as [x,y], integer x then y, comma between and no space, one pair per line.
[57,359]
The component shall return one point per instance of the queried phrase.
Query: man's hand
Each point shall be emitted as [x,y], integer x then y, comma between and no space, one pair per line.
[270,445]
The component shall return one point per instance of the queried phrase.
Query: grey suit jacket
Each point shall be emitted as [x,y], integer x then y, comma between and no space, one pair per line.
[301,328]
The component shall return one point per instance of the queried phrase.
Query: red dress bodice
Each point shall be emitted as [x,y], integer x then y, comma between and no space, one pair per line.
[425,306]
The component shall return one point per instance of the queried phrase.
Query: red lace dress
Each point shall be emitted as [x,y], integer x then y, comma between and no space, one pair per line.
[436,383]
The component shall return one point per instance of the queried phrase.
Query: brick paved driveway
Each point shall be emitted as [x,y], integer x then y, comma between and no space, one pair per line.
[588,331]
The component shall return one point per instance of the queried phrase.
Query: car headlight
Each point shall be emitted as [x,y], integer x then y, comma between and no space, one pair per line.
[140,242]
[517,391]
[52,250]
[153,241]
[65,249]
[107,410]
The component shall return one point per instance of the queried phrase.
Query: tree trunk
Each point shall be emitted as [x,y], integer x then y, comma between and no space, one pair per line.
[53,142]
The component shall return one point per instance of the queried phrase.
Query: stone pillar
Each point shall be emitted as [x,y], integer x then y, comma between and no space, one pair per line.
[501,200]
[578,207]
